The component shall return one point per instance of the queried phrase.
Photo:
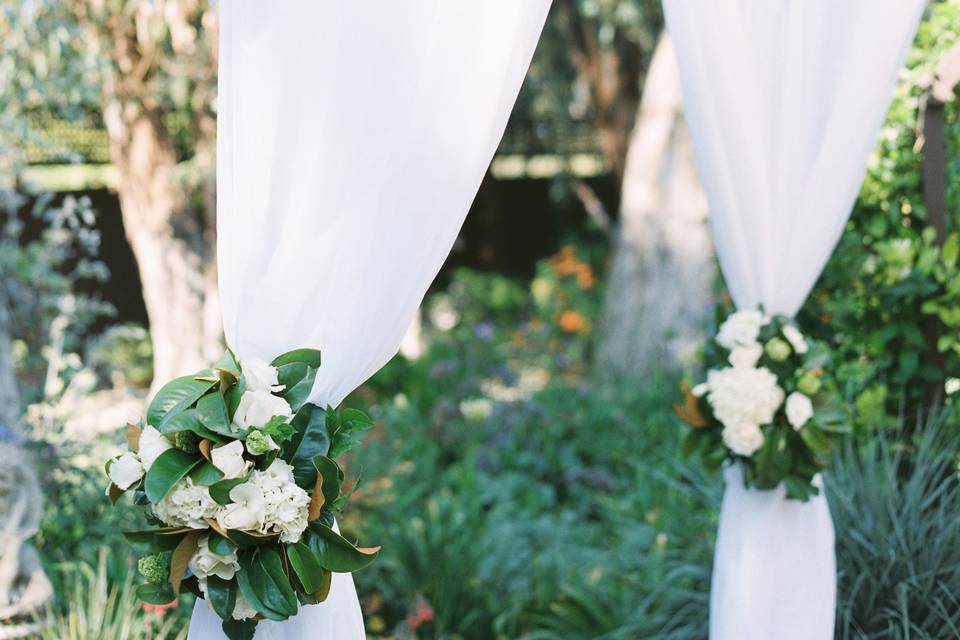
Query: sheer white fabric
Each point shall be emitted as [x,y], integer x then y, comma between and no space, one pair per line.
[352,137]
[784,100]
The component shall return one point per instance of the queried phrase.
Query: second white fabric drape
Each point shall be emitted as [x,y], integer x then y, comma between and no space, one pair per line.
[352,137]
[784,100]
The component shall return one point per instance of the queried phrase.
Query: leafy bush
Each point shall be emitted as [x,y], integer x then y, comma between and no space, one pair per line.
[896,509]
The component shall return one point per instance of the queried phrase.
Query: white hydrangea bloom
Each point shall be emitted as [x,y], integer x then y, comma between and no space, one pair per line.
[743,395]
[743,439]
[799,410]
[187,505]
[206,563]
[741,329]
[269,502]
[795,338]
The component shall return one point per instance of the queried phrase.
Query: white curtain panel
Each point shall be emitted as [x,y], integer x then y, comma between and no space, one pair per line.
[784,99]
[352,138]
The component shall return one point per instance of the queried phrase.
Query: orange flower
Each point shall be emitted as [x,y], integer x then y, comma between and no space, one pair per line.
[572,322]
[585,278]
[160,609]
[565,262]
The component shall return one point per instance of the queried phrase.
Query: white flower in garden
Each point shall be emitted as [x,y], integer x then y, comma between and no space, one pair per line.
[206,563]
[700,390]
[746,356]
[743,439]
[741,329]
[229,459]
[951,386]
[152,444]
[259,375]
[799,410]
[247,510]
[257,407]
[187,504]
[743,395]
[477,409]
[125,471]
[795,338]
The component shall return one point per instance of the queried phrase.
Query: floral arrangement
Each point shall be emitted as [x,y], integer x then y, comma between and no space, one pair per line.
[767,403]
[235,472]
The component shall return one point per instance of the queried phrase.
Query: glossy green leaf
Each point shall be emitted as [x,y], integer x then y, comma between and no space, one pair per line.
[298,393]
[306,566]
[156,593]
[334,552]
[332,477]
[309,357]
[270,583]
[220,545]
[239,629]
[206,474]
[220,491]
[188,421]
[212,413]
[310,439]
[167,470]
[177,395]
[222,595]
[245,585]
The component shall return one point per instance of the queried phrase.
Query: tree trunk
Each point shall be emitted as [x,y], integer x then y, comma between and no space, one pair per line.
[663,267]
[171,241]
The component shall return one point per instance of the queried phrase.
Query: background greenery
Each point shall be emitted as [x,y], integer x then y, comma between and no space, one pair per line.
[515,495]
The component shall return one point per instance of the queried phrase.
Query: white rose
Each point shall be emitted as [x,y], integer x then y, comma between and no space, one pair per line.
[260,375]
[746,356]
[152,444]
[743,395]
[799,409]
[257,407]
[125,471]
[743,439]
[229,459]
[206,563]
[741,328]
[242,609]
[247,509]
[795,338]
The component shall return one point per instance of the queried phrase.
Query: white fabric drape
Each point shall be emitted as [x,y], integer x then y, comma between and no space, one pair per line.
[352,137]
[784,99]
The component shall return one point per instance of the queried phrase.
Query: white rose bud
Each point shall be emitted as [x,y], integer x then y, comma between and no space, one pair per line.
[206,563]
[247,509]
[257,407]
[125,471]
[152,444]
[259,375]
[229,459]
[799,410]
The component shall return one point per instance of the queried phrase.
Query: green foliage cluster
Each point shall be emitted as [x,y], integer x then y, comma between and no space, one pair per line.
[889,299]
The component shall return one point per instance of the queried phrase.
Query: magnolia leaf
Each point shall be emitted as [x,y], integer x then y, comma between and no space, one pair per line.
[310,439]
[222,595]
[221,544]
[188,421]
[169,467]
[133,437]
[181,558]
[228,362]
[309,357]
[317,499]
[269,586]
[336,553]
[246,539]
[251,595]
[116,492]
[306,566]
[156,593]
[239,629]
[297,394]
[332,476]
[205,446]
[177,395]
[206,474]
[216,527]
[212,413]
